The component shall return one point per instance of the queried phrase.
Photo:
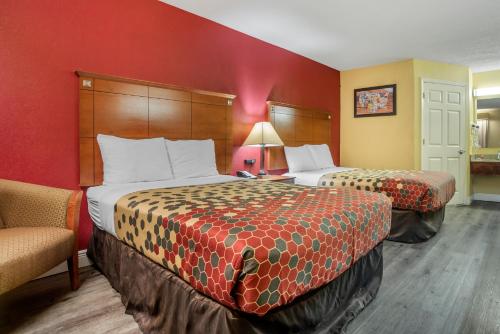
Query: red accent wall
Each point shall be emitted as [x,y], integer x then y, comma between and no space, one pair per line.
[43,42]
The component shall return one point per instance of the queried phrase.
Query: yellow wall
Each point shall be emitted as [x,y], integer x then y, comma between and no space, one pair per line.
[487,79]
[486,184]
[389,141]
[378,142]
[424,69]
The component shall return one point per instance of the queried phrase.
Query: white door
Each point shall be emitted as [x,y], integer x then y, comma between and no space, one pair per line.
[444,131]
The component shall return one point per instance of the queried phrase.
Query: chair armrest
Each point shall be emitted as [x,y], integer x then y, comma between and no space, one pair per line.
[73,210]
[29,205]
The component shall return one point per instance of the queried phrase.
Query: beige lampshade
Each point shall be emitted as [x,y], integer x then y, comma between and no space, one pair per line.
[263,133]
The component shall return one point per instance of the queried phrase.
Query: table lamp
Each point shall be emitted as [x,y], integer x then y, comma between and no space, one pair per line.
[263,135]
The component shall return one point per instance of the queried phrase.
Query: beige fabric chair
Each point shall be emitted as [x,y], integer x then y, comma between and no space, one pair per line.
[38,230]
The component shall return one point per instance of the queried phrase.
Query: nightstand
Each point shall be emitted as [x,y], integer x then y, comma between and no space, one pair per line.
[277,178]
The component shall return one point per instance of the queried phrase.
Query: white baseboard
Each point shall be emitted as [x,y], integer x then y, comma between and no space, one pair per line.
[486,197]
[83,261]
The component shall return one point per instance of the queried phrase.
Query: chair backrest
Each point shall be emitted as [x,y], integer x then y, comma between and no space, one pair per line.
[30,205]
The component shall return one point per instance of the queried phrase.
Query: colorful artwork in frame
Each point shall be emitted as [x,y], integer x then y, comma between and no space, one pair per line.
[375,101]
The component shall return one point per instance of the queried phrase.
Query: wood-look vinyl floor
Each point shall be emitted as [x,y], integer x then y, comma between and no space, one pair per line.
[449,284]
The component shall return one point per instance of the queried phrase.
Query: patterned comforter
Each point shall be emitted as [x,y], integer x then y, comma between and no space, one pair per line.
[253,245]
[421,191]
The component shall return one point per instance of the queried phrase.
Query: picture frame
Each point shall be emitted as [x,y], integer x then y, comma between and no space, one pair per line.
[375,101]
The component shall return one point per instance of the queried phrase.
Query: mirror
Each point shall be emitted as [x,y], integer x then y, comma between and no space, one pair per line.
[487,127]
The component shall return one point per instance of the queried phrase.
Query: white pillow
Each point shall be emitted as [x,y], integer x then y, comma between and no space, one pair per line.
[130,160]
[321,155]
[299,159]
[192,158]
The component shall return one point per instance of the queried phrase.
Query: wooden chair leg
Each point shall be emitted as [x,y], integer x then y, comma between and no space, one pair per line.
[74,274]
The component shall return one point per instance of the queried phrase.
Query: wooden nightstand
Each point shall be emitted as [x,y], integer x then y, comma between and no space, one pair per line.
[277,178]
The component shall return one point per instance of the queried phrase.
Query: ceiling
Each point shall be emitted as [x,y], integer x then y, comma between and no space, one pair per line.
[358,33]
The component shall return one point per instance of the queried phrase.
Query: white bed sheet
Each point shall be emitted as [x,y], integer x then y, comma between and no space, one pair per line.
[102,199]
[311,177]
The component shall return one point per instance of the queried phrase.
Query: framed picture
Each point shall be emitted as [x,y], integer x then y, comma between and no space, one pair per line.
[375,101]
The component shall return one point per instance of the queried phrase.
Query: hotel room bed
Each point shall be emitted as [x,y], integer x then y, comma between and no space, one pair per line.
[201,252]
[418,197]
[239,256]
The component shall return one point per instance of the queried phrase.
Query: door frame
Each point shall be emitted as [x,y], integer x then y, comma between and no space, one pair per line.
[423,127]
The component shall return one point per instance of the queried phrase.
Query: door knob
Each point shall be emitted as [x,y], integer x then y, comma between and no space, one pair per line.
[461,151]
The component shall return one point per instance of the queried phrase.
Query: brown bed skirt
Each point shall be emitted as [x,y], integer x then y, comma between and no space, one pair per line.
[161,302]
[413,227]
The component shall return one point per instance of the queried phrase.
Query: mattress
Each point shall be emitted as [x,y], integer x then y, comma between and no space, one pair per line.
[253,246]
[311,177]
[102,199]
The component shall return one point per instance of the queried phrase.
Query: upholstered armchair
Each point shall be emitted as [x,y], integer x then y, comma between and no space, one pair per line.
[38,230]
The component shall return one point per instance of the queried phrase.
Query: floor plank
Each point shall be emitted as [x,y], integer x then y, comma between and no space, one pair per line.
[450,284]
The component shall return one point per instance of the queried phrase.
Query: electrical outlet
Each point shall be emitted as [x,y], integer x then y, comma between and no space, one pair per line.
[249,161]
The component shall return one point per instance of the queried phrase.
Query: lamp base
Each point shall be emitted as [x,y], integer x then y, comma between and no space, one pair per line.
[262,171]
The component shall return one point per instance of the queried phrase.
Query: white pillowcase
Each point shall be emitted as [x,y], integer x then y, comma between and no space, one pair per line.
[192,158]
[321,155]
[299,159]
[130,160]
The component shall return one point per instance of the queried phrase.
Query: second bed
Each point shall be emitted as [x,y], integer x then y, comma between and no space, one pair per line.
[418,198]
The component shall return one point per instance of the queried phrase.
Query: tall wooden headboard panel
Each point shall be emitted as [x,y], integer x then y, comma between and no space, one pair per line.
[140,109]
[297,126]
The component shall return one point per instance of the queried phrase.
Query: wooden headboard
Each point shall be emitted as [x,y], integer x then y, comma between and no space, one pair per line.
[140,109]
[297,126]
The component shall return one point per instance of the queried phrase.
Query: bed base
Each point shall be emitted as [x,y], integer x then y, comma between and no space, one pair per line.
[161,302]
[413,227]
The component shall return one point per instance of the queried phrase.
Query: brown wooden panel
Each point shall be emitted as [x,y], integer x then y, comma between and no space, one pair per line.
[208,121]
[120,87]
[120,115]
[209,99]
[169,119]
[282,110]
[321,115]
[296,126]
[220,155]
[303,128]
[321,131]
[86,113]
[229,139]
[138,109]
[86,161]
[98,176]
[169,94]
[304,113]
[485,168]
[284,124]
[277,159]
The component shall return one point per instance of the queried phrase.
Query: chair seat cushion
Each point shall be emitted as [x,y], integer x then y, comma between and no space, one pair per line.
[27,252]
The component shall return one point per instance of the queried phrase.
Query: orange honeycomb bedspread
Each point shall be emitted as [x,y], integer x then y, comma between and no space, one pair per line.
[251,245]
[421,191]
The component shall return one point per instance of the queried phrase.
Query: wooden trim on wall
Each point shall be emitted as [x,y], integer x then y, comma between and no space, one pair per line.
[107,77]
[297,126]
[138,109]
